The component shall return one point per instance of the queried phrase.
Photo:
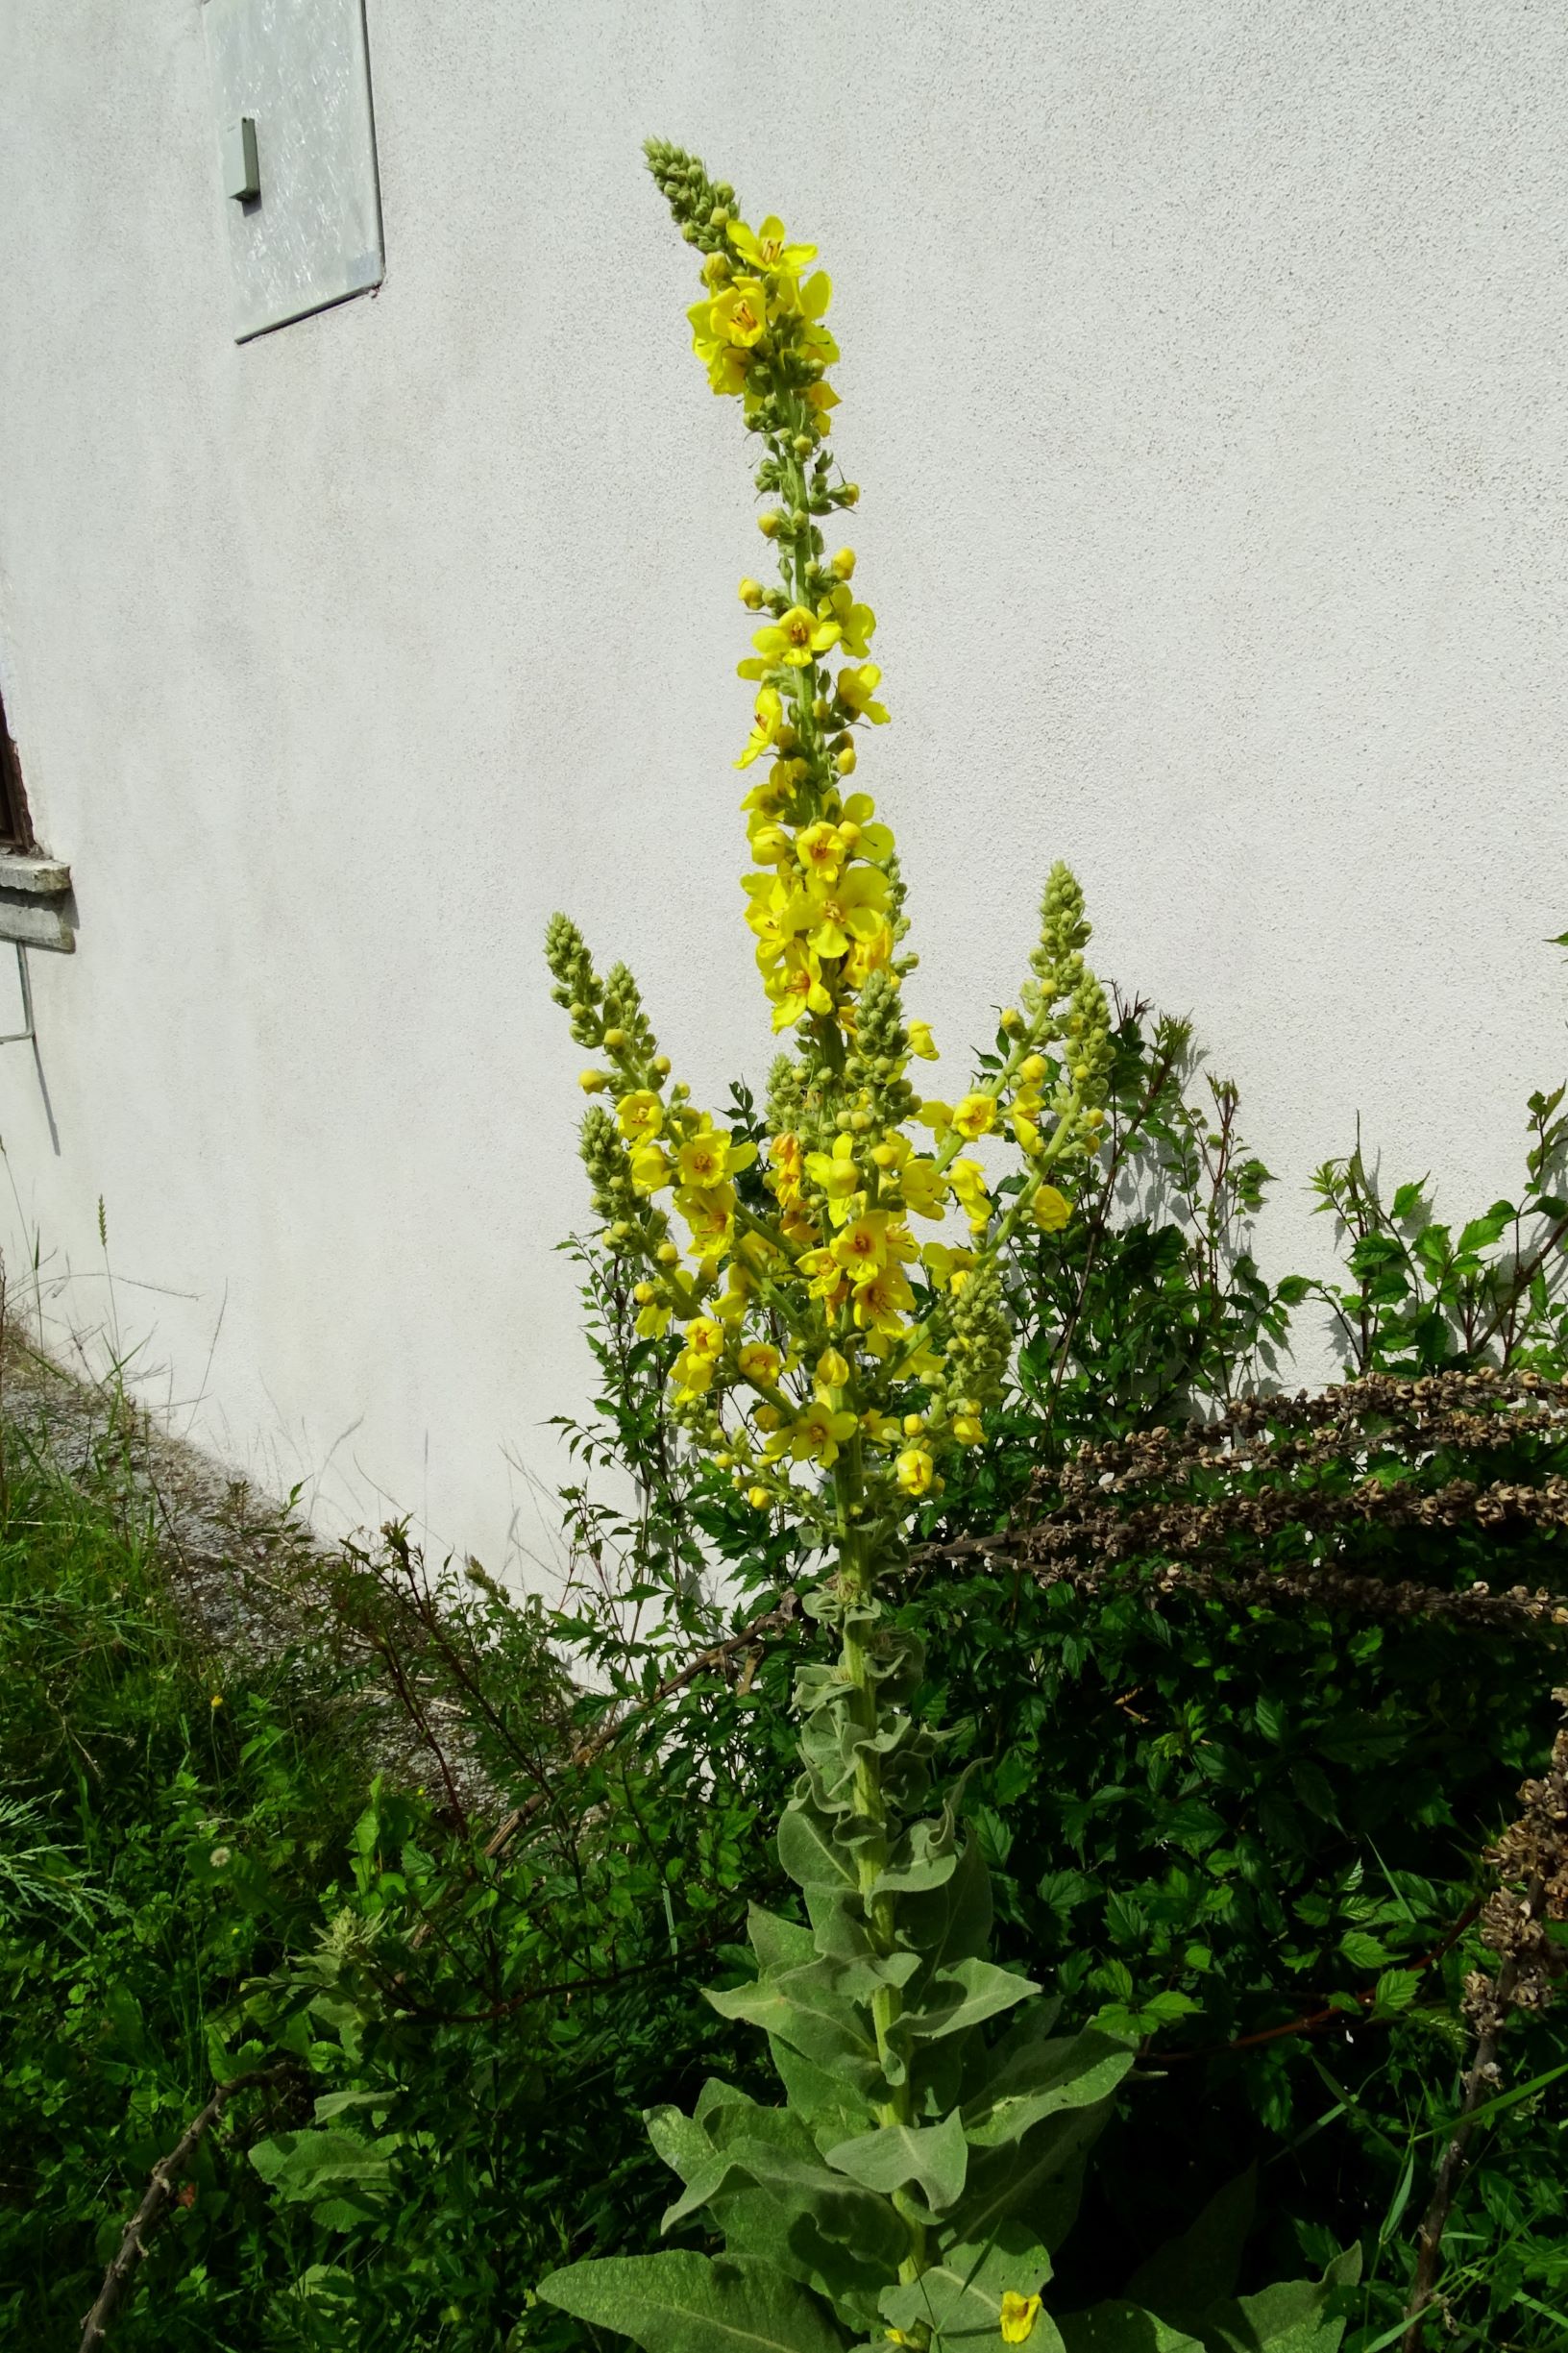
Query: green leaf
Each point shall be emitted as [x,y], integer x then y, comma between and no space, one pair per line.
[1122,2328]
[684,2303]
[1075,2071]
[802,2008]
[680,2139]
[811,1853]
[1286,2319]
[960,2297]
[934,2157]
[1188,2273]
[1022,2178]
[778,1943]
[962,1996]
[1408,1200]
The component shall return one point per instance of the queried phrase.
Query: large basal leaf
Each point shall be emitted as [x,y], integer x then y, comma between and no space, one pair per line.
[1041,2079]
[1023,2179]
[960,2298]
[1123,2328]
[1188,2274]
[1286,2319]
[681,2303]
[932,2157]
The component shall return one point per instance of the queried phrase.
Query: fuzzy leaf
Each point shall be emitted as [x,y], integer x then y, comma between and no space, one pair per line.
[680,2139]
[960,2297]
[1036,2082]
[1122,2328]
[963,1995]
[801,2008]
[1188,2273]
[684,2303]
[934,2157]
[1023,2179]
[811,1852]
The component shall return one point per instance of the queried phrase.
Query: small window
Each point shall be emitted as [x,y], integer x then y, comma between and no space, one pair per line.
[16,826]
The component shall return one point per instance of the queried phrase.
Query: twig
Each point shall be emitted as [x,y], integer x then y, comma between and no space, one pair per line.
[589,1751]
[1479,2085]
[161,2189]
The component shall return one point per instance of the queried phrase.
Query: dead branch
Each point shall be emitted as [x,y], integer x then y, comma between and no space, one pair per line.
[161,2189]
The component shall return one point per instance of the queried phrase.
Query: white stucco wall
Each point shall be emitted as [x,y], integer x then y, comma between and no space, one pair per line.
[1204,370]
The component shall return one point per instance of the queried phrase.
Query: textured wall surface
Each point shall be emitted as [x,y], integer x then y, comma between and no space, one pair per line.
[1204,370]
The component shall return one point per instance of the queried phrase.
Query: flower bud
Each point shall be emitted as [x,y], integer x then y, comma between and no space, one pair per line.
[1012,1020]
[644,1294]
[803,445]
[615,1039]
[668,1254]
[757,1498]
[844,761]
[592,1082]
[914,1424]
[850,494]
[1032,1069]
[752,593]
[770,524]
[843,563]
[661,1064]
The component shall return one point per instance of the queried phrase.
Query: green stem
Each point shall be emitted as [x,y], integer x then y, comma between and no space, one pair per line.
[857,1581]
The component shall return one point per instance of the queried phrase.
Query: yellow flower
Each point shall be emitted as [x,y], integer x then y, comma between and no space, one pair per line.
[881,1428]
[915,1470]
[1051,1210]
[967,1180]
[975,1115]
[832,1371]
[843,563]
[856,689]
[968,1430]
[795,984]
[874,842]
[941,1262]
[868,1242]
[769,248]
[726,360]
[816,1435]
[638,1116]
[760,1362]
[708,1210]
[711,1156]
[738,316]
[924,1187]
[881,1299]
[856,624]
[765,721]
[1019,2313]
[796,638]
[835,1174]
[832,913]
[653,1321]
[919,1033]
[821,849]
[650,1168]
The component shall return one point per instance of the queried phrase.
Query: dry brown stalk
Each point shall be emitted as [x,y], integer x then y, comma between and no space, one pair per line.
[161,2189]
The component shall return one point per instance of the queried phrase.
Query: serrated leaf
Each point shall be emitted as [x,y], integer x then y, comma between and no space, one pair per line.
[934,2157]
[678,2302]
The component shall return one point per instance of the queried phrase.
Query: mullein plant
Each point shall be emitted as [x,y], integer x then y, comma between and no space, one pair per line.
[839,1344]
